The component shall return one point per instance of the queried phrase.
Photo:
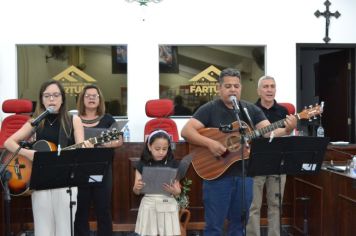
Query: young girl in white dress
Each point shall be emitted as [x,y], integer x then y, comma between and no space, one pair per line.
[158,214]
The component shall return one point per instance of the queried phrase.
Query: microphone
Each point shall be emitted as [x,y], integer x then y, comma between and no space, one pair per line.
[39,118]
[235,104]
[249,118]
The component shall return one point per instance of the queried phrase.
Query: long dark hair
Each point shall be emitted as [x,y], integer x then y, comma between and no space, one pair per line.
[63,112]
[80,105]
[146,155]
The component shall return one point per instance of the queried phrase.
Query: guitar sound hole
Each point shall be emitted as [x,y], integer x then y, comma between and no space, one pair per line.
[233,143]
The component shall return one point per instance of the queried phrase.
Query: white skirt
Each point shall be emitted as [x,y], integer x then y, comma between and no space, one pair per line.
[158,215]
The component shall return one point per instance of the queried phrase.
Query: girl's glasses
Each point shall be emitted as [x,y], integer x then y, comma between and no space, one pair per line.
[53,95]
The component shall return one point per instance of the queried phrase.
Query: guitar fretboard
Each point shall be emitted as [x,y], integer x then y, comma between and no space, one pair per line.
[93,141]
[265,130]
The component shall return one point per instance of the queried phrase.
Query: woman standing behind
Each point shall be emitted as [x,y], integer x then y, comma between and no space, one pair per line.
[50,207]
[158,213]
[91,109]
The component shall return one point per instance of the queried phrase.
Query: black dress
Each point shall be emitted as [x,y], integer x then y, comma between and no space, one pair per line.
[99,195]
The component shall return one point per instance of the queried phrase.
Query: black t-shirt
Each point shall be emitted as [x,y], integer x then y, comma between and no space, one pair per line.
[215,113]
[275,113]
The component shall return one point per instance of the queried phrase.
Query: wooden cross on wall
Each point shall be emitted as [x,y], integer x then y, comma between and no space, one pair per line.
[327,14]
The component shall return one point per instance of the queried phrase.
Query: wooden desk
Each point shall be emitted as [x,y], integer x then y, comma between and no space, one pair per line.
[332,205]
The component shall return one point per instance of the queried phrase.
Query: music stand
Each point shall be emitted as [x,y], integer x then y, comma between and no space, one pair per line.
[286,155]
[79,167]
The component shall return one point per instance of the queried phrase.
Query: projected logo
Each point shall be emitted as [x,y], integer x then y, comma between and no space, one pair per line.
[74,80]
[205,83]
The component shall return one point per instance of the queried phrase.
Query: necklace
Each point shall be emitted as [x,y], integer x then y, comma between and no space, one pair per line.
[51,123]
[91,121]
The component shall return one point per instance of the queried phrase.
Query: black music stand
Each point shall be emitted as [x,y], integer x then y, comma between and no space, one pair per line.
[286,155]
[79,167]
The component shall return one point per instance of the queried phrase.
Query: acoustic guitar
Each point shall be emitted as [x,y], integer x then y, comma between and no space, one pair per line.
[210,167]
[20,168]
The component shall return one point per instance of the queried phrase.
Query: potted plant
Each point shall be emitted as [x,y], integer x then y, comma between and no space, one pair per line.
[183,203]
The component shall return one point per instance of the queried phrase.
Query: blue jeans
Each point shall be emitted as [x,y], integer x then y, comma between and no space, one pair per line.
[223,200]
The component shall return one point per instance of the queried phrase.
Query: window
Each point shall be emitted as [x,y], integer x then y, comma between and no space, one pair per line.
[194,80]
[38,63]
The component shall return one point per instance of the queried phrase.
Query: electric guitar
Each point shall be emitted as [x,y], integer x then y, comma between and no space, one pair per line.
[20,168]
[210,167]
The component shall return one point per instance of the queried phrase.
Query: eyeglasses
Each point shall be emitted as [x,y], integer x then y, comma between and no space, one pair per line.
[94,96]
[53,95]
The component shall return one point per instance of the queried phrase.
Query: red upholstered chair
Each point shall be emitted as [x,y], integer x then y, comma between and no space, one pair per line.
[289,106]
[15,121]
[160,110]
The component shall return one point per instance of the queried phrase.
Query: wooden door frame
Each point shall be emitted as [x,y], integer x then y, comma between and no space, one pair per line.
[320,47]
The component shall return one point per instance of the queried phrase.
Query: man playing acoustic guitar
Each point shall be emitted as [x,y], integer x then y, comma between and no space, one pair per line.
[223,194]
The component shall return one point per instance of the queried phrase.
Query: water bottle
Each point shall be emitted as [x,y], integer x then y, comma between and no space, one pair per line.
[126,134]
[320,131]
[353,167]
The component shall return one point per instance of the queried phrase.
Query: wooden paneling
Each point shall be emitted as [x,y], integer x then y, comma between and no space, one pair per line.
[332,196]
[332,206]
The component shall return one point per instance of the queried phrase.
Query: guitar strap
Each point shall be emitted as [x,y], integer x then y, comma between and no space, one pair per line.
[183,166]
[63,138]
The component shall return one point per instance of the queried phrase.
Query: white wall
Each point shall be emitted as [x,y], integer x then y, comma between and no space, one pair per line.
[279,24]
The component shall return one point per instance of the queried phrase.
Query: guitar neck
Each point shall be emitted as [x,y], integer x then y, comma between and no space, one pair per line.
[267,129]
[80,145]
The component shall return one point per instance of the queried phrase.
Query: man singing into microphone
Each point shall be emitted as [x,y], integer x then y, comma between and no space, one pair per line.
[223,195]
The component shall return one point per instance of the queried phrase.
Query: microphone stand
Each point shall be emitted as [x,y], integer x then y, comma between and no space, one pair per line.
[5,176]
[242,146]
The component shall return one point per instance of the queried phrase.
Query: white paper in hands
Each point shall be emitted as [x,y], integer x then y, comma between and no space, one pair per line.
[155,177]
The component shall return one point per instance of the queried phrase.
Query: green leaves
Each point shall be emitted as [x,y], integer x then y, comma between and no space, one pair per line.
[183,198]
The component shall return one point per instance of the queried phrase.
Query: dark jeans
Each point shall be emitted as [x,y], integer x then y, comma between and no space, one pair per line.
[223,200]
[101,198]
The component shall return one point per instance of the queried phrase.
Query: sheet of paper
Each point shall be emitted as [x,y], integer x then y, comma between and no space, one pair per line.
[95,178]
[155,177]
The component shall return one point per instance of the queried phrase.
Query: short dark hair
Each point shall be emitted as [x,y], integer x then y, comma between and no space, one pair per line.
[229,72]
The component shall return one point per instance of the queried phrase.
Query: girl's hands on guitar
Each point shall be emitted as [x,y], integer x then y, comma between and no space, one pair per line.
[28,153]
[87,144]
